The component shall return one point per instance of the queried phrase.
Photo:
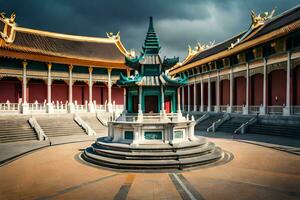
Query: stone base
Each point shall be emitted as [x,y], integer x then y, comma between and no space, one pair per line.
[49,108]
[109,108]
[177,156]
[71,108]
[286,111]
[245,110]
[91,107]
[25,108]
[262,110]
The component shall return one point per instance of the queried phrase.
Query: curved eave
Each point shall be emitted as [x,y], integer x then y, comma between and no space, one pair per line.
[121,47]
[61,60]
[242,46]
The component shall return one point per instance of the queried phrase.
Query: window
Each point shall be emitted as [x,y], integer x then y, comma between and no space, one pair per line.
[128,135]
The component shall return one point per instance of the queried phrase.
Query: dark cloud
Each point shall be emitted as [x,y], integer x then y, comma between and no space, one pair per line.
[177,22]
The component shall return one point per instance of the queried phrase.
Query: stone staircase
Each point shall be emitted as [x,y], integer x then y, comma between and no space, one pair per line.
[202,126]
[56,126]
[285,130]
[233,123]
[95,124]
[14,129]
[152,157]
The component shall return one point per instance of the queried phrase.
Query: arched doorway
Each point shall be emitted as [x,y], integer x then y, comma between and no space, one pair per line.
[80,92]
[37,91]
[296,85]
[277,87]
[11,90]
[256,90]
[99,93]
[59,91]
[117,95]
[224,92]
[240,91]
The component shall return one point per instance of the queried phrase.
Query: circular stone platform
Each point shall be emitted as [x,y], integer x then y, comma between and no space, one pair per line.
[105,152]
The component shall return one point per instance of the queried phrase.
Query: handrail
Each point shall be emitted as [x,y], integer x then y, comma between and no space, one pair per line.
[37,128]
[103,122]
[243,127]
[202,118]
[218,123]
[84,125]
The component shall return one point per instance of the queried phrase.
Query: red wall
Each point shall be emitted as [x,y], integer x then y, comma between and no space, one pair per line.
[10,90]
[80,93]
[198,94]
[37,92]
[225,92]
[256,88]
[296,86]
[97,91]
[213,93]
[192,95]
[167,104]
[205,94]
[59,92]
[186,95]
[240,91]
[277,87]
[117,95]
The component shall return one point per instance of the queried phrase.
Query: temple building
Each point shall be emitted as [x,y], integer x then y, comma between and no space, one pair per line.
[256,71]
[51,72]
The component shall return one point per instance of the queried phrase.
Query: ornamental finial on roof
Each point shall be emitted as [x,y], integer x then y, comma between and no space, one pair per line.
[8,32]
[2,15]
[200,47]
[112,36]
[260,19]
[12,18]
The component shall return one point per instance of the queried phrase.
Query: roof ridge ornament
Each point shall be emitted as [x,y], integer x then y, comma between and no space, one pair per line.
[8,33]
[111,35]
[257,21]
[260,19]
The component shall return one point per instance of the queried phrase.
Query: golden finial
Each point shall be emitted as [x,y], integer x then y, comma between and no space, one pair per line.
[112,36]
[258,20]
[12,18]
[2,15]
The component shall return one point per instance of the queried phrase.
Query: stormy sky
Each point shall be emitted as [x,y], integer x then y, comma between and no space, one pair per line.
[178,23]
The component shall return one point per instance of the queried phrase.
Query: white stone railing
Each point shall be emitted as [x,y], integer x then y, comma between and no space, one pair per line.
[223,108]
[254,109]
[237,109]
[275,110]
[9,106]
[100,107]
[81,108]
[60,106]
[295,110]
[37,106]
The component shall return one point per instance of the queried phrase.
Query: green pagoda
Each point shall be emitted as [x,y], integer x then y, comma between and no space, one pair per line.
[149,89]
[146,140]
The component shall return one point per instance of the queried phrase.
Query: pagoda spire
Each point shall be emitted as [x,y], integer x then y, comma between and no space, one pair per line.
[151,44]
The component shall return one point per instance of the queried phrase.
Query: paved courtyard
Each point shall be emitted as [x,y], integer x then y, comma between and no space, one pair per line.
[255,172]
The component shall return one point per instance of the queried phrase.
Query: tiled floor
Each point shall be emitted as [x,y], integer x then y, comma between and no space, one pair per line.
[55,173]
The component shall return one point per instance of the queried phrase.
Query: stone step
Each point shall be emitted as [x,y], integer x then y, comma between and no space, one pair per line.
[146,155]
[151,164]
[103,143]
[16,140]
